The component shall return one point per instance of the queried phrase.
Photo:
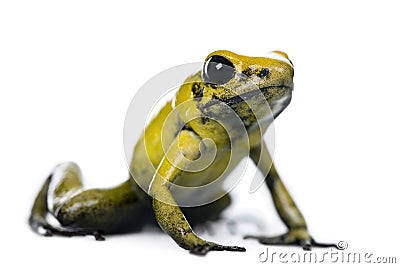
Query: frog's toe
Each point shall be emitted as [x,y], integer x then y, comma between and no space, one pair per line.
[47,232]
[323,245]
[233,248]
[42,227]
[203,249]
[98,235]
[291,238]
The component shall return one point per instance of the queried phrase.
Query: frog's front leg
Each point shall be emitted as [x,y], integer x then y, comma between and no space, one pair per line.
[289,213]
[184,149]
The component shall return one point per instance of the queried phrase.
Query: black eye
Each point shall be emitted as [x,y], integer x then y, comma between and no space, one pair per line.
[218,70]
[264,72]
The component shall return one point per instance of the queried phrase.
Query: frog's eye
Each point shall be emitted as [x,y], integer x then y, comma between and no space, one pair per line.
[218,70]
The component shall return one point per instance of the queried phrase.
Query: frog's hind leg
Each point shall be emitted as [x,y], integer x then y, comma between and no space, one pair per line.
[68,177]
[75,211]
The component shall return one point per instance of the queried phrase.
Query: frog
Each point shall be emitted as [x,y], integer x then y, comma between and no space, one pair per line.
[164,152]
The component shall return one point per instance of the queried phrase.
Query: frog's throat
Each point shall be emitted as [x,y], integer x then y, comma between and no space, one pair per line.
[277,106]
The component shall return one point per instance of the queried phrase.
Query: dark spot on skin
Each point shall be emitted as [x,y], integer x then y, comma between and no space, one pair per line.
[260,72]
[264,73]
[204,120]
[186,127]
[197,90]
[248,72]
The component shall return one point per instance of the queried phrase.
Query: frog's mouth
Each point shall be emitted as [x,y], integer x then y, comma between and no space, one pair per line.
[256,99]
[256,93]
[253,94]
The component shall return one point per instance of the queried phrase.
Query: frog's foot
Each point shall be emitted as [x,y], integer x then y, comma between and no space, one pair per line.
[203,248]
[42,227]
[42,221]
[297,237]
[48,230]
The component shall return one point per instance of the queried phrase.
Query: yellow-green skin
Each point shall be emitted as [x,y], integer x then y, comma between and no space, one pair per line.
[149,196]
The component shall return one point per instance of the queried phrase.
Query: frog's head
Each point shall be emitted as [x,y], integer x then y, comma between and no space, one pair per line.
[252,87]
[235,79]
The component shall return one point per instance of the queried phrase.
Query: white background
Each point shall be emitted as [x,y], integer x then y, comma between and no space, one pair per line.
[69,69]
